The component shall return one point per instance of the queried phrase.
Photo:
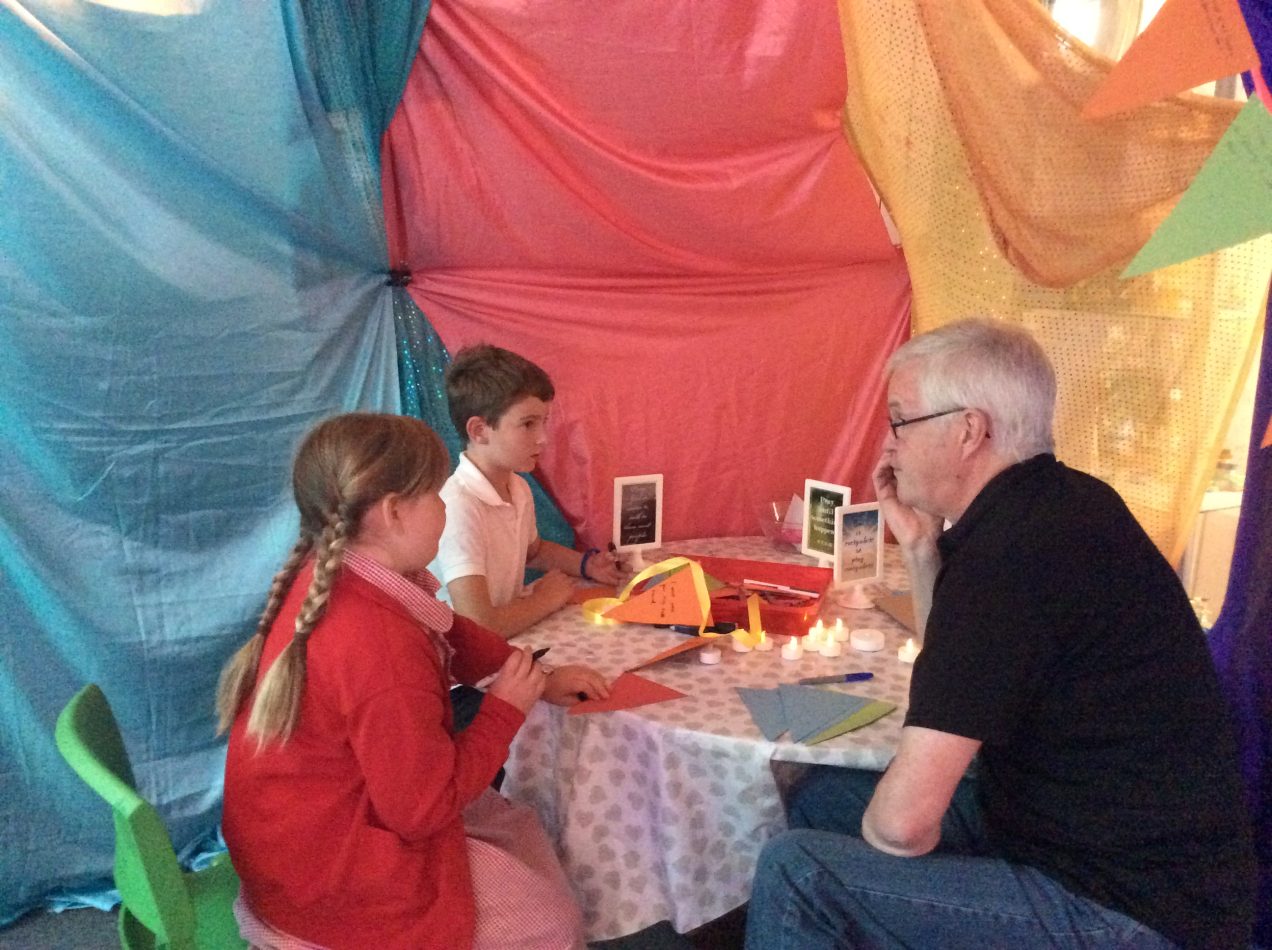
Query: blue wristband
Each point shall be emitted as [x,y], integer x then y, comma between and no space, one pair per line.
[583,564]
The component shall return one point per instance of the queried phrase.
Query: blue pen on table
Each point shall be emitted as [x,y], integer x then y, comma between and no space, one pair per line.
[837,678]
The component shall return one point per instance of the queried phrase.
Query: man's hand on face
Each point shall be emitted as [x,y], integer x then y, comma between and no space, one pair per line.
[911,527]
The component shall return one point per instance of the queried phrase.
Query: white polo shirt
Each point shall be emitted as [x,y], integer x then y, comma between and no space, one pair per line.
[485,535]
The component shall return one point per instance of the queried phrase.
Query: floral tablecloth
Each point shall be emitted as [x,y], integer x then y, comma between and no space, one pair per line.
[660,812]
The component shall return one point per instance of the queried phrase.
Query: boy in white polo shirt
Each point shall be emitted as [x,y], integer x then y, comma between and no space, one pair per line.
[499,402]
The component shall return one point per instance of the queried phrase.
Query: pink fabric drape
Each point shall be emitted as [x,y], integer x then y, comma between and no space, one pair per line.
[656,203]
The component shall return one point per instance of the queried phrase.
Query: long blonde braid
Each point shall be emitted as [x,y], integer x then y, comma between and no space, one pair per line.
[345,465]
[277,706]
[239,675]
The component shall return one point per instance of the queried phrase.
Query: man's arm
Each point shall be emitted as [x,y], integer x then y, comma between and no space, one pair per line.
[916,532]
[470,597]
[904,816]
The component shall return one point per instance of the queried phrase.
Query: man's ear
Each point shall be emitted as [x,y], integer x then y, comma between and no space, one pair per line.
[975,429]
[476,429]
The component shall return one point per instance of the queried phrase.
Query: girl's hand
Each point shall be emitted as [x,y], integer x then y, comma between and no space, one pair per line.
[520,681]
[566,683]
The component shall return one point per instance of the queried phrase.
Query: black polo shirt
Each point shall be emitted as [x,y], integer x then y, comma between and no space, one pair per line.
[1062,640]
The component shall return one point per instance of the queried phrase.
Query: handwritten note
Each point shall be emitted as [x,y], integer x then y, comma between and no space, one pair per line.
[858,551]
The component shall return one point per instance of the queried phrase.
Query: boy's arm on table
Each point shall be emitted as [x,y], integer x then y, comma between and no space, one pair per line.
[544,555]
[470,596]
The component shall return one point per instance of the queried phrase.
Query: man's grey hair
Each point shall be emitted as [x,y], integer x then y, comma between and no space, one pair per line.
[992,366]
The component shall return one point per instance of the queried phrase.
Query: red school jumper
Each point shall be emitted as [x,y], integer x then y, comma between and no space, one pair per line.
[350,834]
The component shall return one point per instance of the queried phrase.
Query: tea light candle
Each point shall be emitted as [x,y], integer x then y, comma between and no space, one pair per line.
[765,644]
[866,639]
[908,652]
[710,655]
[830,647]
[792,650]
[739,646]
[840,633]
[812,640]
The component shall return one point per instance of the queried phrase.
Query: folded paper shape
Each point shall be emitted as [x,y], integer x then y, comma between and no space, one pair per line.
[675,600]
[627,692]
[862,717]
[683,647]
[765,707]
[809,714]
[810,711]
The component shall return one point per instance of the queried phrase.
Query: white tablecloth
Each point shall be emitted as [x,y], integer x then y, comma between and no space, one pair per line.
[660,812]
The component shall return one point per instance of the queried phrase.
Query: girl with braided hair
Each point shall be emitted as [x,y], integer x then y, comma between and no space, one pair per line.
[354,814]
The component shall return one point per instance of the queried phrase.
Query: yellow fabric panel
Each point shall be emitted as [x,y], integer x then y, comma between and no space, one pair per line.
[1148,368]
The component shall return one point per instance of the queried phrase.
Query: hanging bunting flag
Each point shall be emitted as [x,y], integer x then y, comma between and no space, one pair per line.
[1229,202]
[1188,43]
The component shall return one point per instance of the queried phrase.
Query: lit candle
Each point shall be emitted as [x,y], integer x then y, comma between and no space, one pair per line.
[908,653]
[740,646]
[830,647]
[765,644]
[841,632]
[792,650]
[813,639]
[709,655]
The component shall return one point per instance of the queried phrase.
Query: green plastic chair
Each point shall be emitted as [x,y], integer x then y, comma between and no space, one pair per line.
[162,905]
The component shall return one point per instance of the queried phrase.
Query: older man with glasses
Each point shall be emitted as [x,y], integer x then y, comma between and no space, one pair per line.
[1062,663]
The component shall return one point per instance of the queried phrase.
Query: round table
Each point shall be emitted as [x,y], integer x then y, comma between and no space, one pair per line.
[660,812]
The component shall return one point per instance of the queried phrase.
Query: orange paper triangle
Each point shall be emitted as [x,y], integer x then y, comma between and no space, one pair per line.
[627,692]
[1188,43]
[673,601]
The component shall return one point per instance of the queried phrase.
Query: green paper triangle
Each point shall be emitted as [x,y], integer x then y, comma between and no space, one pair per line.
[1228,203]
[862,717]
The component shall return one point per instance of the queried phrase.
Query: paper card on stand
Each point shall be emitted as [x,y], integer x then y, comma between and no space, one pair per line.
[684,647]
[765,707]
[627,692]
[674,601]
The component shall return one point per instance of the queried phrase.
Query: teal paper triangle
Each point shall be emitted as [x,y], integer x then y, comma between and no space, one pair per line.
[765,706]
[810,710]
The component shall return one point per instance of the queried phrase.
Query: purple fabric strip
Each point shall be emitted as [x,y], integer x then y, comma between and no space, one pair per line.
[1241,640]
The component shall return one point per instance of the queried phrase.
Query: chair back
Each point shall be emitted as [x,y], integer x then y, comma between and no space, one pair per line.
[150,881]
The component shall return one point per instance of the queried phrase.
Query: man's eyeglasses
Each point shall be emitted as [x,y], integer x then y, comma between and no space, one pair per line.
[896,424]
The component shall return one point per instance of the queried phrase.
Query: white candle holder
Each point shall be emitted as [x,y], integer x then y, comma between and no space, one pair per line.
[792,649]
[840,631]
[740,647]
[866,639]
[764,645]
[830,647]
[908,652]
[710,655]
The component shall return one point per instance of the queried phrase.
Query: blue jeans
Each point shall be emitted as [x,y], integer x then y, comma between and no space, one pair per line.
[829,888]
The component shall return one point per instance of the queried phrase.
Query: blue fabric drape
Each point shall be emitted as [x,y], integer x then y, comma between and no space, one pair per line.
[192,270]
[1241,640]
